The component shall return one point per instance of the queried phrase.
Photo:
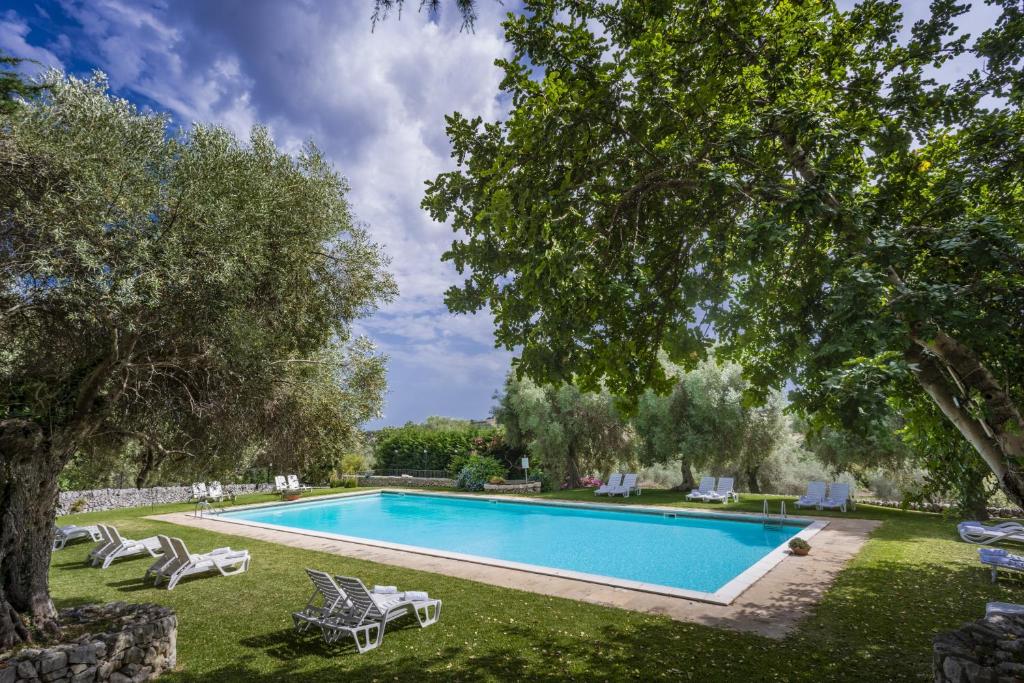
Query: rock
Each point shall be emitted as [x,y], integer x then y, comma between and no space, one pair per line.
[85,676]
[8,674]
[27,670]
[52,660]
[984,651]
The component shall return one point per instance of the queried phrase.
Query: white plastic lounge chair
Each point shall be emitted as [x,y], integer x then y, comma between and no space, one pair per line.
[999,560]
[165,563]
[280,484]
[215,491]
[1008,608]
[627,486]
[723,492]
[199,491]
[838,497]
[815,494]
[327,600]
[985,534]
[707,485]
[100,550]
[614,481]
[294,485]
[70,532]
[125,547]
[224,560]
[370,613]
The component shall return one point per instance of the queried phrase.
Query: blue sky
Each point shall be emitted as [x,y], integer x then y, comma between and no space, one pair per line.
[373,101]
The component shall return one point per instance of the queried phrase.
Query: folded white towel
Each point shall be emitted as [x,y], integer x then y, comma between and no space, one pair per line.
[385,590]
[416,596]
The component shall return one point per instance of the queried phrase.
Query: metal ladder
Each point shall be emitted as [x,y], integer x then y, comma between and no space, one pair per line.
[770,520]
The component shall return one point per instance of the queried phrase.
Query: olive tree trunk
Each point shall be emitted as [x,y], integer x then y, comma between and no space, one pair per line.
[688,483]
[29,468]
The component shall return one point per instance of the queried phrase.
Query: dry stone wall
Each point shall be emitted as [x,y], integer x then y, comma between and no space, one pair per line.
[419,482]
[99,500]
[137,643]
[990,650]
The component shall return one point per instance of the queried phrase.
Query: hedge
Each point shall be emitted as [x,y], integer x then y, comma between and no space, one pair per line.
[417,448]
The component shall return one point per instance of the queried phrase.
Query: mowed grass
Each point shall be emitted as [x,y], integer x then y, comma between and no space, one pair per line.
[912,579]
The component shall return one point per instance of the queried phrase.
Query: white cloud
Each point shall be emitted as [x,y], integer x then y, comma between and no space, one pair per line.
[373,101]
[13,31]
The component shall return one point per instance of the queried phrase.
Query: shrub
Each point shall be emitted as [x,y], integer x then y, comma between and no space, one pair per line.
[496,481]
[353,463]
[799,544]
[414,447]
[590,482]
[77,506]
[477,470]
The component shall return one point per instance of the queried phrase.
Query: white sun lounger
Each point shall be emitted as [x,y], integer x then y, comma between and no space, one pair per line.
[226,561]
[63,534]
[294,485]
[999,560]
[1007,608]
[707,485]
[327,600]
[723,492]
[815,494]
[199,491]
[614,481]
[370,613]
[985,534]
[280,484]
[838,497]
[627,486]
[120,547]
[216,492]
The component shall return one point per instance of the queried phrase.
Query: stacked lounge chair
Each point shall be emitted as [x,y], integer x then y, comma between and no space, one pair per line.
[295,486]
[342,606]
[614,481]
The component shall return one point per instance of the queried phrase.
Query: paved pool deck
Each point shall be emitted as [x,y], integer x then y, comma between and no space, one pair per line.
[773,606]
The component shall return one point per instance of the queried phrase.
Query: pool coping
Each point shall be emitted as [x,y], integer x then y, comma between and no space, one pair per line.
[725,595]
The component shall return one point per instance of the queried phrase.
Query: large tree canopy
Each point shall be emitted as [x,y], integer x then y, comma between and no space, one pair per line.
[783,178]
[156,286]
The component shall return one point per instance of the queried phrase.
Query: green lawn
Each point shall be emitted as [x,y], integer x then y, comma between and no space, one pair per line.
[912,579]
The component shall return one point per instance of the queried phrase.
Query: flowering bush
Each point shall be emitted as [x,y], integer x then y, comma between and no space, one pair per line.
[590,482]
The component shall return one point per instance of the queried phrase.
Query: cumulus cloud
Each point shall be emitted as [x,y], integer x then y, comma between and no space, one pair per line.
[374,102]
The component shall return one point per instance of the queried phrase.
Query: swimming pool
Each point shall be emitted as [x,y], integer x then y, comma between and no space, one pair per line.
[710,557]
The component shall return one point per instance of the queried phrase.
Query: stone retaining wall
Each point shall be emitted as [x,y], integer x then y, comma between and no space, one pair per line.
[424,482]
[989,650]
[514,487]
[139,642]
[116,499]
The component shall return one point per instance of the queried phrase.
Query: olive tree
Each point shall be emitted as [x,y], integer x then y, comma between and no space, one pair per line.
[786,180]
[150,273]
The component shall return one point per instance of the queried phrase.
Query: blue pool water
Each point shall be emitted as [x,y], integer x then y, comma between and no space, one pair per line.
[696,553]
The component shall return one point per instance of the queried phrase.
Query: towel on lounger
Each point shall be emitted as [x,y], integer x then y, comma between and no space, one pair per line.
[416,596]
[385,590]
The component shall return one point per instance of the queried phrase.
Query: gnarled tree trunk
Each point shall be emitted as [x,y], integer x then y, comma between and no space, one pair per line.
[752,484]
[29,467]
[688,483]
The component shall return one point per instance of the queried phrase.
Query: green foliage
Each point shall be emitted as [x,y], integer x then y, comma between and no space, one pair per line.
[797,190]
[799,544]
[353,463]
[706,422]
[427,447]
[12,83]
[478,470]
[566,432]
[185,298]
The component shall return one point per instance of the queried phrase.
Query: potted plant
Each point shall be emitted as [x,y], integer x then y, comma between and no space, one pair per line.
[799,546]
[496,481]
[289,495]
